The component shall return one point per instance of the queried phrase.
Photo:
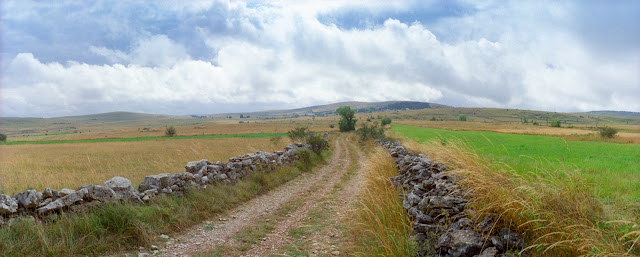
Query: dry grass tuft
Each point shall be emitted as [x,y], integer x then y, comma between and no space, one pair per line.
[380,226]
[558,212]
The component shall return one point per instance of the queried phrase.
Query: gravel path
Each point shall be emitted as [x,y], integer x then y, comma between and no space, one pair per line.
[306,189]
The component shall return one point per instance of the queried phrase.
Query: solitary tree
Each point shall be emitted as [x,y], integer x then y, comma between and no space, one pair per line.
[170,131]
[462,117]
[348,121]
[3,137]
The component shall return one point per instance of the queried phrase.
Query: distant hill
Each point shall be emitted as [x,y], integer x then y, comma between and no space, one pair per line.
[13,125]
[331,108]
[614,113]
[92,118]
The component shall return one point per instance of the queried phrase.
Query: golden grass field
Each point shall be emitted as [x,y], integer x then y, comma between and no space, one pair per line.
[71,165]
[220,128]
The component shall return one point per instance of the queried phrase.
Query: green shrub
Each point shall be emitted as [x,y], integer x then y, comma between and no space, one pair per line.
[347,122]
[366,133]
[170,132]
[462,117]
[297,134]
[556,123]
[607,132]
[385,121]
[318,144]
[535,123]
[3,137]
[332,126]
[304,161]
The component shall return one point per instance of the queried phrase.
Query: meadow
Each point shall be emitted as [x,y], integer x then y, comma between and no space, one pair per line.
[613,169]
[71,165]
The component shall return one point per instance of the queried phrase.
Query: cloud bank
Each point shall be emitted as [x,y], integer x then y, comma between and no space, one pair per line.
[219,56]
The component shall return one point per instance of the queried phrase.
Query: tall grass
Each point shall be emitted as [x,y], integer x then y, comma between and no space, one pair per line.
[118,227]
[71,165]
[557,211]
[380,226]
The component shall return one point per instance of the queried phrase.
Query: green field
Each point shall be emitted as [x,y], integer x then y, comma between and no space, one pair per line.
[133,139]
[614,169]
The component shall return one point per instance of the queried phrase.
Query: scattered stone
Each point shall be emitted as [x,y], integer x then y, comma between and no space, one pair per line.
[144,254]
[154,247]
[335,253]
[165,237]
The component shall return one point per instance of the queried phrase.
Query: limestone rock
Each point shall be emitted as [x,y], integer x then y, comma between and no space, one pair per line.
[195,166]
[123,189]
[507,239]
[489,252]
[461,243]
[28,199]
[100,193]
[155,182]
[65,191]
[64,202]
[8,205]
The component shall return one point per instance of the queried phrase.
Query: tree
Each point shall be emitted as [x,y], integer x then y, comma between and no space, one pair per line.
[462,117]
[385,121]
[170,131]
[348,121]
[556,123]
[3,137]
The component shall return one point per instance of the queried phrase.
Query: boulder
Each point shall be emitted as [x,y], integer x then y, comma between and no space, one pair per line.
[8,205]
[461,243]
[155,182]
[123,189]
[28,199]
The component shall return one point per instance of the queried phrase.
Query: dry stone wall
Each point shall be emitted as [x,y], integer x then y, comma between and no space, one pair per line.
[439,211]
[34,204]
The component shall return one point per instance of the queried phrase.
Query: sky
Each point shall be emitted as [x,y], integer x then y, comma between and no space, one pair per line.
[61,58]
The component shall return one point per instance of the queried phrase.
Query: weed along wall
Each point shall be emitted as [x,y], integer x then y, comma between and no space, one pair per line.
[442,222]
[33,204]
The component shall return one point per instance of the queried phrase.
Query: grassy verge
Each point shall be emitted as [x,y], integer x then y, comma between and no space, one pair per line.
[134,139]
[118,227]
[380,225]
[557,209]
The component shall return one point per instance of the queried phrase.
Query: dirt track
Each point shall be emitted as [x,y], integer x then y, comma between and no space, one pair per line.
[304,215]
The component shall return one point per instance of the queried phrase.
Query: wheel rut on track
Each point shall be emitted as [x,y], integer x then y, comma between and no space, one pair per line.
[276,213]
